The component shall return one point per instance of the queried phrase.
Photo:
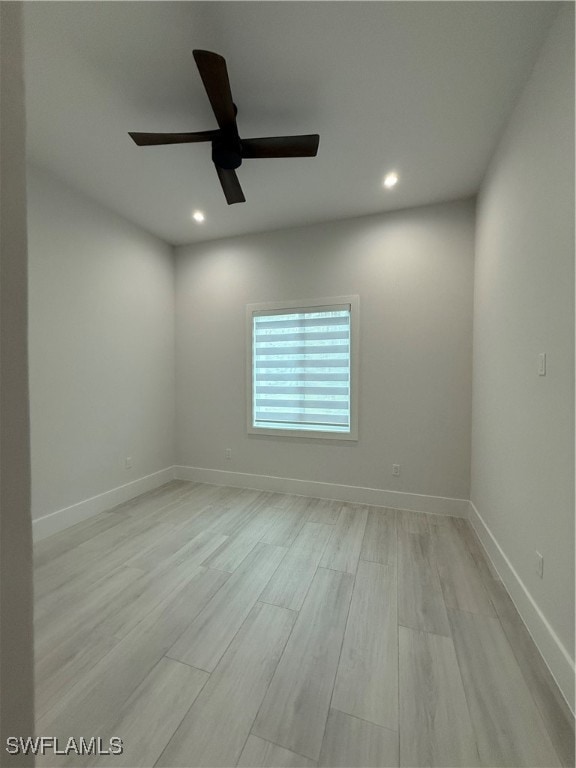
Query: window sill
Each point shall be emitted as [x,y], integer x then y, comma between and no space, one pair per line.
[307,433]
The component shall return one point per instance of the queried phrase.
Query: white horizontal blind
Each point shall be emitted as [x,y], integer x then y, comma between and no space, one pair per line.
[301,369]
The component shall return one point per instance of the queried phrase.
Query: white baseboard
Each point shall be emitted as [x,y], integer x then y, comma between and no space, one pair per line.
[63,518]
[351,493]
[552,650]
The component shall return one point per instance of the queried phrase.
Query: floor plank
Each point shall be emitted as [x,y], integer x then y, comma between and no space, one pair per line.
[139,540]
[509,729]
[472,542]
[554,711]
[48,549]
[284,500]
[231,553]
[367,679]
[289,585]
[286,526]
[420,601]
[93,702]
[462,586]
[243,497]
[193,551]
[435,726]
[324,511]
[295,709]
[207,638]
[413,522]
[343,550]
[85,609]
[262,754]
[556,714]
[379,544]
[116,604]
[133,535]
[247,530]
[62,665]
[153,712]
[198,546]
[250,519]
[197,516]
[354,743]
[68,567]
[214,731]
[147,597]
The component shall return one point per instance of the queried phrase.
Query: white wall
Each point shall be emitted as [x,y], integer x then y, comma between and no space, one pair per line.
[16,627]
[413,271]
[523,424]
[101,348]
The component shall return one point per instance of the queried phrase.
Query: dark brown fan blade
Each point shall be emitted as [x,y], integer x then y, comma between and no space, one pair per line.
[281,146]
[149,139]
[214,75]
[231,186]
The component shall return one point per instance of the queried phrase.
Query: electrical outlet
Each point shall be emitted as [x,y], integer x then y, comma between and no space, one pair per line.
[539,564]
[128,462]
[228,454]
[396,469]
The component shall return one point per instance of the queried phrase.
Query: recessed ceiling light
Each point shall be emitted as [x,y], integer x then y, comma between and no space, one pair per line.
[390,180]
[198,216]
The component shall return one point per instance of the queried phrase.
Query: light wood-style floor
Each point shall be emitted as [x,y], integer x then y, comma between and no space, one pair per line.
[211,626]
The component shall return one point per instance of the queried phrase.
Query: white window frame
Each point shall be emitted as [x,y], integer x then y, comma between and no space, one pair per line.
[309,305]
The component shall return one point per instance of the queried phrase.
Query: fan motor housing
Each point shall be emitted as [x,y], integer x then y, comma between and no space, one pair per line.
[227,154]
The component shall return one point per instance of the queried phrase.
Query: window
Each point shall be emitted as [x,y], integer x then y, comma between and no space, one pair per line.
[302,363]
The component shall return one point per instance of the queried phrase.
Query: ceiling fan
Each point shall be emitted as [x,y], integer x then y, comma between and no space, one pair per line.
[228,149]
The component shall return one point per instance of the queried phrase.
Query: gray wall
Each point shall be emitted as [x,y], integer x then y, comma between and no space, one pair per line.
[101,348]
[16,659]
[523,424]
[413,271]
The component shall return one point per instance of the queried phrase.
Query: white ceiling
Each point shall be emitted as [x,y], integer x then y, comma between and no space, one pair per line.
[423,88]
